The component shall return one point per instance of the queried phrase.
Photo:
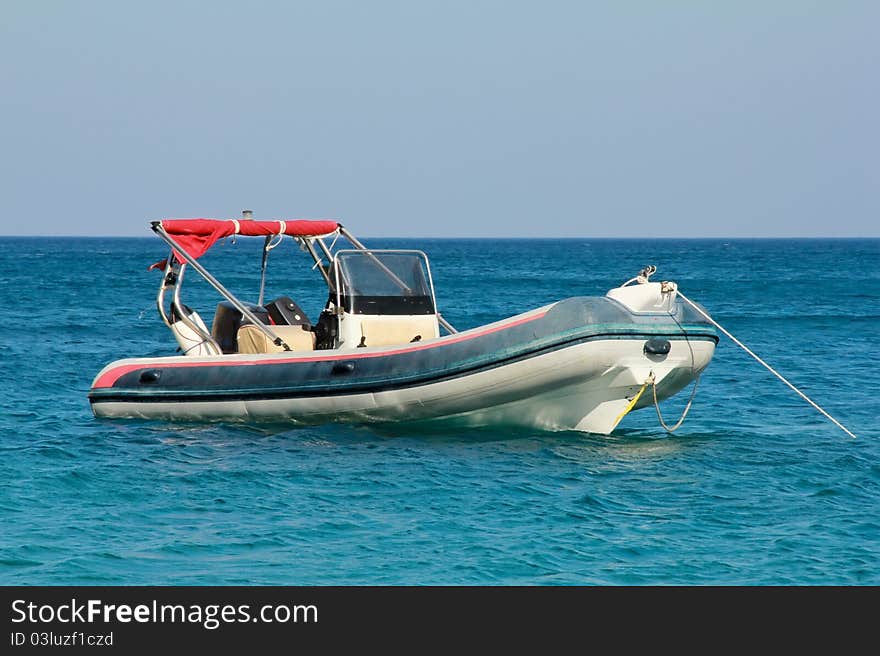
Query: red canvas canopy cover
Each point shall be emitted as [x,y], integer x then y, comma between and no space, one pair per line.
[196,236]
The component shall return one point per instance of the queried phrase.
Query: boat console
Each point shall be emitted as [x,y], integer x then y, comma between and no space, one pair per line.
[385,298]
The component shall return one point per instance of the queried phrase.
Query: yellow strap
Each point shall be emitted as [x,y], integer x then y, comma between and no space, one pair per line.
[632,403]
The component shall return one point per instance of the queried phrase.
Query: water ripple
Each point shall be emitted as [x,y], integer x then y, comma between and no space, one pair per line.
[754,489]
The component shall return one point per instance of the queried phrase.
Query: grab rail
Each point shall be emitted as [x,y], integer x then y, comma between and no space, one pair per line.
[159,230]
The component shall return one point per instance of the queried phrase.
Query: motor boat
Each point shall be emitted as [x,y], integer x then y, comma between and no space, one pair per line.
[381,352]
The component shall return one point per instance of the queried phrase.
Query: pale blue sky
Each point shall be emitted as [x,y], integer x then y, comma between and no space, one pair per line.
[587,119]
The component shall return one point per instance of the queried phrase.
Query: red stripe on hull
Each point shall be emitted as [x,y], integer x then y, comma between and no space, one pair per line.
[109,378]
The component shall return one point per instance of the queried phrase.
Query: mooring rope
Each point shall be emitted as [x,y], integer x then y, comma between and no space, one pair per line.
[653,382]
[767,366]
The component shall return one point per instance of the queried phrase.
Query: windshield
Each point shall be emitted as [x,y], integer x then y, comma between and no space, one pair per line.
[384,282]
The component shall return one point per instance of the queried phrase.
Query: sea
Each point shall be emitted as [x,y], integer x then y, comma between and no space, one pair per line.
[755,488]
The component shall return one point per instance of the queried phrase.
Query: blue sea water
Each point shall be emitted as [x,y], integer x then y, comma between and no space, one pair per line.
[755,488]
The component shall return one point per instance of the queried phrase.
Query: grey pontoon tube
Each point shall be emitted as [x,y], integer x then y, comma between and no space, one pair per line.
[345,233]
[159,230]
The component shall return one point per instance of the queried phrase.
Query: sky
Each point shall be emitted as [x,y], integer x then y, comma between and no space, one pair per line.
[443,119]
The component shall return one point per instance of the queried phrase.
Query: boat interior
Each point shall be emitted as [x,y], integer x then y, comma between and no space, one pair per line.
[376,298]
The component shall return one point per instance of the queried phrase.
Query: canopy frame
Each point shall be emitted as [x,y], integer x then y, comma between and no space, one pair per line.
[179,252]
[216,284]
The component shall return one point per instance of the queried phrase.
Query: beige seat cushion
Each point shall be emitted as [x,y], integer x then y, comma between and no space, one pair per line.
[388,332]
[253,340]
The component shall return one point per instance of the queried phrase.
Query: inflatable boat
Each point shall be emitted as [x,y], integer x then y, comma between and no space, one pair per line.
[381,352]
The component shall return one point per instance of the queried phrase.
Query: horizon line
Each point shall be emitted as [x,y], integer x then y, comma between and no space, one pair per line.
[486,237]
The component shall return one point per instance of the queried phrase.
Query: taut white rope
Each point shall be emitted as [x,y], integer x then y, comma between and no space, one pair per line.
[767,366]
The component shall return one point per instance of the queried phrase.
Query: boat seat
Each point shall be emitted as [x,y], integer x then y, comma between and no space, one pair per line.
[253,340]
[389,331]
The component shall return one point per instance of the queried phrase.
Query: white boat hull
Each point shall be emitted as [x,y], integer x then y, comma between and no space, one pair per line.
[583,387]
